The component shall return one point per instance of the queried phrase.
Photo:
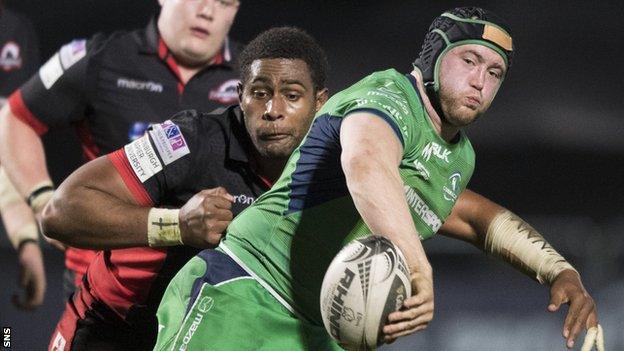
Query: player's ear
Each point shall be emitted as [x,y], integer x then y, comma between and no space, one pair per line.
[321,98]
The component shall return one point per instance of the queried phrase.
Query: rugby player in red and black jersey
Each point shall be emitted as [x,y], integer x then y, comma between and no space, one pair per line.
[19,59]
[174,190]
[111,87]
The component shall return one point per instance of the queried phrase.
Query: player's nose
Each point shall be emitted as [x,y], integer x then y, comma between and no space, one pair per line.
[274,109]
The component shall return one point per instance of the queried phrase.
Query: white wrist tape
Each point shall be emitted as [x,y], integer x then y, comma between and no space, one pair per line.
[163,227]
[28,232]
[39,195]
[516,242]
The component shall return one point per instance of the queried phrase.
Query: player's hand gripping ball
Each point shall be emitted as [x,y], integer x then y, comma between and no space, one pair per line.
[365,282]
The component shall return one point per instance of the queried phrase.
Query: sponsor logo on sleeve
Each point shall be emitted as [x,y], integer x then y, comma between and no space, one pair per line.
[169,141]
[226,93]
[59,342]
[51,71]
[10,58]
[143,158]
[69,54]
[73,52]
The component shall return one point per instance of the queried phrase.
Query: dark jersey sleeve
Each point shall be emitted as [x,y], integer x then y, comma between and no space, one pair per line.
[58,93]
[161,161]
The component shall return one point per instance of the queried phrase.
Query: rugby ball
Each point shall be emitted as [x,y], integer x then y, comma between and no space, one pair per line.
[366,281]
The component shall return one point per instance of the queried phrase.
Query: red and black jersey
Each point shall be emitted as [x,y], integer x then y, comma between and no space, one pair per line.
[19,52]
[172,162]
[111,87]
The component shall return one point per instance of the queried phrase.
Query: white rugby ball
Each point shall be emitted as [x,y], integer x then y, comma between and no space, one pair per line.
[367,280]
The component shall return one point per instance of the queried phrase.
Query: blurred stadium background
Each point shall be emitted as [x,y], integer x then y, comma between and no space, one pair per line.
[550,149]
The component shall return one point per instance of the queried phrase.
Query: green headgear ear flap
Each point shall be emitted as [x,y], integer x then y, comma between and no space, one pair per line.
[460,26]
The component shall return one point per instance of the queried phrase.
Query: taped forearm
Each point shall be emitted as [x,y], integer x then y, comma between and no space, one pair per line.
[516,242]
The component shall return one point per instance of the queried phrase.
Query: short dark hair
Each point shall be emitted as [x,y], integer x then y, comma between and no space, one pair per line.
[288,43]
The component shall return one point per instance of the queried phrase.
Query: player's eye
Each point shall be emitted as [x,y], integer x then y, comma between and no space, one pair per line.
[292,96]
[227,3]
[495,74]
[469,61]
[259,94]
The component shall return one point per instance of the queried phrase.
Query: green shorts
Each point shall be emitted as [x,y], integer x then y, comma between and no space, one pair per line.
[213,304]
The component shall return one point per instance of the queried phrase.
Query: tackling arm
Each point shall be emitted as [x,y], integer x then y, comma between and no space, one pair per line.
[94,209]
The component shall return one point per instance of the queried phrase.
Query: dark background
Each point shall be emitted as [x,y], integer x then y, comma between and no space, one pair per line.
[550,149]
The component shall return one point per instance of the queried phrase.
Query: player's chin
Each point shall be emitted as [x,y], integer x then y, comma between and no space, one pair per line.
[464,116]
[281,148]
[196,53]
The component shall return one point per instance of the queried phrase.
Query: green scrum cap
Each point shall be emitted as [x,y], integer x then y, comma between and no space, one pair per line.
[461,26]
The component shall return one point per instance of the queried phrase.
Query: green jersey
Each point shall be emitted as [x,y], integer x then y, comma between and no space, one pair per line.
[288,237]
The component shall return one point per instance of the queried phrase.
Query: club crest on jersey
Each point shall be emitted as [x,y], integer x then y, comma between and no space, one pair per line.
[451,189]
[226,93]
[10,58]
[169,141]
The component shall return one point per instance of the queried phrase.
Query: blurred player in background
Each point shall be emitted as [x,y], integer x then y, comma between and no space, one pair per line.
[385,156]
[111,87]
[119,201]
[19,59]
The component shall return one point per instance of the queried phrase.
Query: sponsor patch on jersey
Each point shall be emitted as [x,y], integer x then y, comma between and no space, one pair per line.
[73,52]
[10,58]
[143,158]
[69,54]
[59,342]
[169,141]
[433,148]
[226,93]
[51,71]
[420,208]
[133,84]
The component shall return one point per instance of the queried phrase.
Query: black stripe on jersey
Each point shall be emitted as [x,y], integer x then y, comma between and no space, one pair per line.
[318,175]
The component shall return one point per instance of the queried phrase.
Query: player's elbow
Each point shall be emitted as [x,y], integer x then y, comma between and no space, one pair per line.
[56,218]
[51,220]
[357,162]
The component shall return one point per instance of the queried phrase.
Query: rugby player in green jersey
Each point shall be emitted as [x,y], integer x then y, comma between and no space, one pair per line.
[384,156]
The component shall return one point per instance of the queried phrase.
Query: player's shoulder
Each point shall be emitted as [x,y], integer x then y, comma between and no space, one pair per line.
[213,125]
